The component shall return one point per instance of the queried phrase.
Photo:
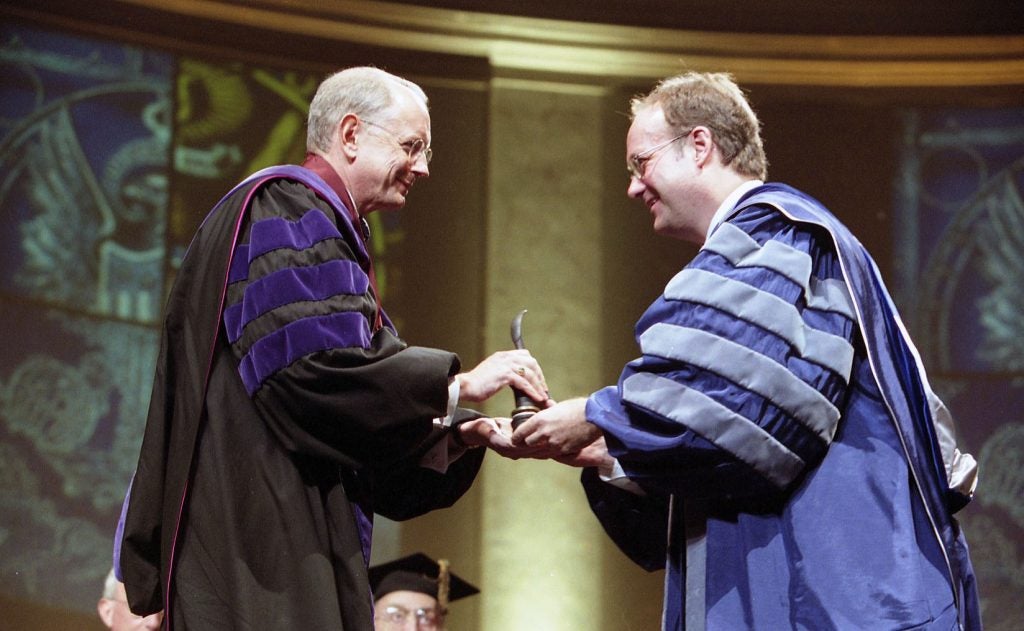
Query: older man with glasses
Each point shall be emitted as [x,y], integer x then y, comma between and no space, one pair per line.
[413,593]
[286,410]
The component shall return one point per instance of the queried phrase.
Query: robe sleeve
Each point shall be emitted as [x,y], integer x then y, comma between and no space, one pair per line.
[299,315]
[638,524]
[408,489]
[746,358]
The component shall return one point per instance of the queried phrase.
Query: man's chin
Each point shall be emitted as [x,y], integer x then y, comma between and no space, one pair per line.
[400,197]
[665,229]
[394,203]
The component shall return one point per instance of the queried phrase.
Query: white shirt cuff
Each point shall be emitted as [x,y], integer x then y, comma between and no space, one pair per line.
[453,403]
[441,455]
[616,476]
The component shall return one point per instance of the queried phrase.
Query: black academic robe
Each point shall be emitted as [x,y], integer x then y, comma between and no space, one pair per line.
[281,419]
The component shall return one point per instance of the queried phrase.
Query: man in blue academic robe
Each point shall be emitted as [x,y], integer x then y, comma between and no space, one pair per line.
[776,448]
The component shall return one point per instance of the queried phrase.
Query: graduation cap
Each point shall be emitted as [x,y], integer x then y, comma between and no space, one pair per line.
[419,573]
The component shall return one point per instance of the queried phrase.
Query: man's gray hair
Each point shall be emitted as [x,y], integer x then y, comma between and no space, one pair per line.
[363,90]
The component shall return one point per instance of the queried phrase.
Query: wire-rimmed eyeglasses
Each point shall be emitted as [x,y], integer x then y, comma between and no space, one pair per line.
[396,615]
[413,148]
[638,161]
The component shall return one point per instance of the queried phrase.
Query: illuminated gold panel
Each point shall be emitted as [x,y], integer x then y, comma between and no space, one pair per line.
[605,52]
[540,548]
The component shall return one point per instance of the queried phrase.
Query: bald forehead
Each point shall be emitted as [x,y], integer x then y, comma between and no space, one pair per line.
[399,88]
[649,116]
[648,124]
[403,95]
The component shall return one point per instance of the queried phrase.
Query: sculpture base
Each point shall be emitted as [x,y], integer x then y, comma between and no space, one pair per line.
[522,413]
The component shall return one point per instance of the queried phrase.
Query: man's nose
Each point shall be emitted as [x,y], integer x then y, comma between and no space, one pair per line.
[420,168]
[636,187]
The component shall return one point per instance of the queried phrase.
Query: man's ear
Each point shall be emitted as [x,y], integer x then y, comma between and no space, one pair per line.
[703,144]
[346,138]
[105,608]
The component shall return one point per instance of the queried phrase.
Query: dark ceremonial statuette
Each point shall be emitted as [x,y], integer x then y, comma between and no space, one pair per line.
[525,407]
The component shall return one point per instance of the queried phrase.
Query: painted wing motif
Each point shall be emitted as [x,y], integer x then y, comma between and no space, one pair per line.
[1002,266]
[71,216]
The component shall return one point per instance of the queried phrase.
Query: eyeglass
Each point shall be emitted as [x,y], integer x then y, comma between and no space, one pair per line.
[413,148]
[637,162]
[426,619]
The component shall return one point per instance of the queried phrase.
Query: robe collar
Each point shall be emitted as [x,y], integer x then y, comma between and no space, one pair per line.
[319,165]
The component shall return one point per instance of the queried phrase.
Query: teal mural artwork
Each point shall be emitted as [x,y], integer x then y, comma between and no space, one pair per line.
[110,156]
[960,262]
[84,139]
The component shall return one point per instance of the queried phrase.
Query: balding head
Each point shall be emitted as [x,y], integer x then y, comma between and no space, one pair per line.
[364,91]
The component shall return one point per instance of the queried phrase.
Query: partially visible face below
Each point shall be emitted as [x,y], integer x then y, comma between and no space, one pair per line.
[406,611]
[384,170]
[115,614]
[666,183]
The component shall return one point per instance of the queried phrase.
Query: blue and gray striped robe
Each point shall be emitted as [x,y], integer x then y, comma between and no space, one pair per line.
[782,429]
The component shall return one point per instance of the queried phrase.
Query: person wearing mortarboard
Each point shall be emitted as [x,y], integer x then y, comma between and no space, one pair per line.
[413,592]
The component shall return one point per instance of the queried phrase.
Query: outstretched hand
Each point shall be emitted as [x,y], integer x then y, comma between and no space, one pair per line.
[593,455]
[496,434]
[560,431]
[516,368]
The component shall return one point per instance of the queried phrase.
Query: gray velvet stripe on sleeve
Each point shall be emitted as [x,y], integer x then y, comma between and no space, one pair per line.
[766,311]
[715,422]
[747,368]
[741,250]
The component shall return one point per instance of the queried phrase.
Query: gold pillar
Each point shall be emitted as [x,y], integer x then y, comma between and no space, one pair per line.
[541,563]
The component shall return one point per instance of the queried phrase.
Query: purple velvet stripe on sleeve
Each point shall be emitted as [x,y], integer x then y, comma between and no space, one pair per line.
[279,349]
[239,264]
[276,232]
[294,285]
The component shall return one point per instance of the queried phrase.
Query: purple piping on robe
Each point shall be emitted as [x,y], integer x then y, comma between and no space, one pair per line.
[119,533]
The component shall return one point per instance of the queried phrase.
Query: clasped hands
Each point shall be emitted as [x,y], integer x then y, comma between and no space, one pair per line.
[560,431]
